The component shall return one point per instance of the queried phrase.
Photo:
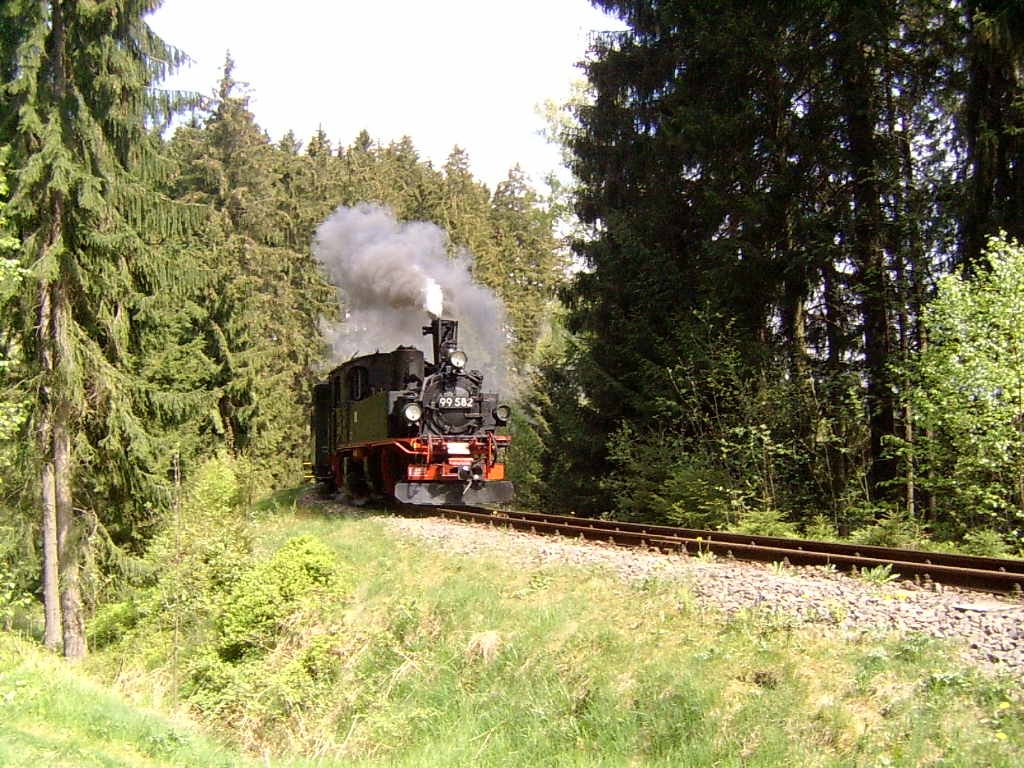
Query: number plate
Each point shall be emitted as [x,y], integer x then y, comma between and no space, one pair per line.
[456,402]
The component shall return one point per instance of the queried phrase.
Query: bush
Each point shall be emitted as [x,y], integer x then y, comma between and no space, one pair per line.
[764,522]
[655,480]
[200,553]
[893,529]
[969,448]
[265,596]
[986,542]
[820,528]
[111,622]
[17,576]
[203,549]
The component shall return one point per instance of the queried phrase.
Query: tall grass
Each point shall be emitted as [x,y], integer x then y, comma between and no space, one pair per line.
[446,660]
[51,716]
[437,660]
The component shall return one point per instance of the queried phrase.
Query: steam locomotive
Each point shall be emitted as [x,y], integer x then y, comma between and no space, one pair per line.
[398,426]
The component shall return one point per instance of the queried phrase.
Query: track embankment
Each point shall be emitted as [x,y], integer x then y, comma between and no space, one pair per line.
[989,630]
[988,574]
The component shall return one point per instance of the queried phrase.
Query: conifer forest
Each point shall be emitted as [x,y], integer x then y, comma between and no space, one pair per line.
[783,292]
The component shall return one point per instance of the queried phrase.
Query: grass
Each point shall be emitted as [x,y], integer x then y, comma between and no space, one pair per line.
[440,660]
[52,716]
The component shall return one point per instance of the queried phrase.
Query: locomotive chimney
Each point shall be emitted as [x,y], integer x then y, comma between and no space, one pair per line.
[446,337]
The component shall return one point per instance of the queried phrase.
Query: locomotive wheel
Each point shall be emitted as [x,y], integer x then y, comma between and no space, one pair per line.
[355,478]
[374,476]
[384,468]
[392,471]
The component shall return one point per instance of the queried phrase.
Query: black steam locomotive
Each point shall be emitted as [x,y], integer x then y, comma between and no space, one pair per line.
[419,432]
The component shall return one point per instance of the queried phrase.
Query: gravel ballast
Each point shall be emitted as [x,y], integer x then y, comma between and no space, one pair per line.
[990,629]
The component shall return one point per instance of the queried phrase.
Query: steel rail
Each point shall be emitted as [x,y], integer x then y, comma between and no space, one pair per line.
[998,575]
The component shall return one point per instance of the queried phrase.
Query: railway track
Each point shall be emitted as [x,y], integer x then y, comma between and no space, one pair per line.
[988,574]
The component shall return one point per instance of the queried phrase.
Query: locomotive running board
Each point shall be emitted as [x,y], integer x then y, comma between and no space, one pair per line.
[439,494]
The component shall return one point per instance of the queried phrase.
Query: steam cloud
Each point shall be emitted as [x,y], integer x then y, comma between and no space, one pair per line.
[391,274]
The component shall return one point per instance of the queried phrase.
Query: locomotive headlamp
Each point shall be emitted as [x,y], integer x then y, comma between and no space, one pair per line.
[458,359]
[502,414]
[413,412]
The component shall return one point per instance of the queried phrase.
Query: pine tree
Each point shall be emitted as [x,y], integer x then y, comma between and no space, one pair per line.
[992,123]
[780,171]
[529,264]
[265,294]
[77,108]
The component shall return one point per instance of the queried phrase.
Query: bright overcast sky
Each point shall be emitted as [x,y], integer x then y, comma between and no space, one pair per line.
[444,72]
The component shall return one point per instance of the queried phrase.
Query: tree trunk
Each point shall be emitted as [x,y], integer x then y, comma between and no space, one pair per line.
[69,546]
[56,455]
[68,540]
[869,257]
[51,593]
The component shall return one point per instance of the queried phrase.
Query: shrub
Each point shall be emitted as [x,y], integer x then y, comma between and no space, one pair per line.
[265,596]
[16,577]
[111,622]
[820,528]
[203,549]
[986,542]
[763,522]
[893,529]
[655,480]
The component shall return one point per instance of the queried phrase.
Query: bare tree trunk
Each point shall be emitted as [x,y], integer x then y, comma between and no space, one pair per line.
[69,545]
[51,593]
[68,540]
[56,454]
[868,254]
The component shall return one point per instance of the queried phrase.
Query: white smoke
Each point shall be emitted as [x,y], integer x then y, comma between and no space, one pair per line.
[392,274]
[433,297]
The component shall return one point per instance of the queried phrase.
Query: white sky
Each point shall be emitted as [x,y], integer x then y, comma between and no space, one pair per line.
[444,72]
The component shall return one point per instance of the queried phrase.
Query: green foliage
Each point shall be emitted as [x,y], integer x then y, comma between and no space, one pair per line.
[764,192]
[268,593]
[111,622]
[204,546]
[11,273]
[986,543]
[764,522]
[247,662]
[18,569]
[968,394]
[725,449]
[820,528]
[654,479]
[525,461]
[259,306]
[880,574]
[13,405]
[13,596]
[893,528]
[212,493]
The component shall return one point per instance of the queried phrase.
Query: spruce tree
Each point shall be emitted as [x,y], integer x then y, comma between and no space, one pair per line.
[265,293]
[77,108]
[530,265]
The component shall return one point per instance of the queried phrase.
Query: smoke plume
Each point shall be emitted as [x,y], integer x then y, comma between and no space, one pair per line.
[392,276]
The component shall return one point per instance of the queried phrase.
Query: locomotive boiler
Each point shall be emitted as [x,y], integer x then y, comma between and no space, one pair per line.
[421,432]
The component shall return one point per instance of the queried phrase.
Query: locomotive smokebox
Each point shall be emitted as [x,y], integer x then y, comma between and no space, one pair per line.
[446,337]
